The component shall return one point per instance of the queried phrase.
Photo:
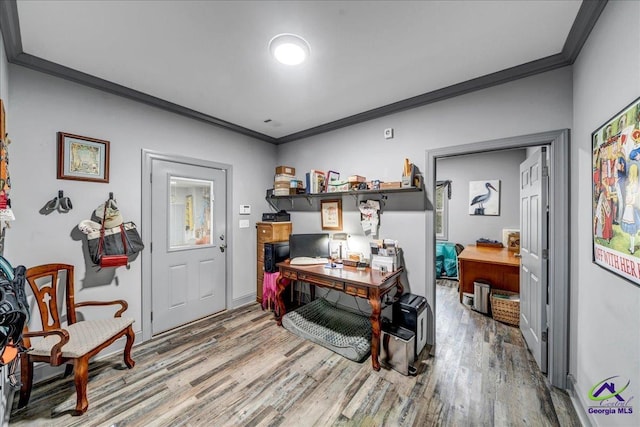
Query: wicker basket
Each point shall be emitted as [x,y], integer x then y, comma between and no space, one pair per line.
[505,310]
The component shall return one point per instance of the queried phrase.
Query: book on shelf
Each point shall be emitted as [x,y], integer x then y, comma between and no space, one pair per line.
[315,181]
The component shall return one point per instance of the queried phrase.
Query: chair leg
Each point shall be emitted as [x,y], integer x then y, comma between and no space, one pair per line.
[81,378]
[26,377]
[131,336]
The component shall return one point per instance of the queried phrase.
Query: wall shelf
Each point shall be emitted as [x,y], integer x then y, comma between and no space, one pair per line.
[300,202]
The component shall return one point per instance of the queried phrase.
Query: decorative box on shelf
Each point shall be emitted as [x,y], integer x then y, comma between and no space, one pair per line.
[285,170]
[337,186]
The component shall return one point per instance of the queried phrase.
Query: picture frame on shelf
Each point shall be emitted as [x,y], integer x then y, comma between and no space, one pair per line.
[82,158]
[331,214]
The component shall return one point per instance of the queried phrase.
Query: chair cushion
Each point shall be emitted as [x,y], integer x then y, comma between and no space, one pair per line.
[83,337]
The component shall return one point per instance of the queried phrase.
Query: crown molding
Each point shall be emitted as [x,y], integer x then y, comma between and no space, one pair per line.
[586,19]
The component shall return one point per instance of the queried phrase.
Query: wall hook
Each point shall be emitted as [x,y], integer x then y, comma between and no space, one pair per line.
[60,203]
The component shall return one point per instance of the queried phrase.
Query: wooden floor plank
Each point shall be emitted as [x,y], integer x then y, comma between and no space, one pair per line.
[239,368]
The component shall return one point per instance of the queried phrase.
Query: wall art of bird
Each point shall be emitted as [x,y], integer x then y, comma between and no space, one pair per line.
[481,199]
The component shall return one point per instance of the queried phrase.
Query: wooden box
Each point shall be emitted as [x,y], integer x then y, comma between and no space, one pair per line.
[285,170]
[392,184]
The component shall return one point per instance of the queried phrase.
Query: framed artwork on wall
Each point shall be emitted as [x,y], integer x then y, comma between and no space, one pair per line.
[331,214]
[615,164]
[484,197]
[82,158]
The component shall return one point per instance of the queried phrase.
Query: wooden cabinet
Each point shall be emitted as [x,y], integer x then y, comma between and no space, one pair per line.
[268,232]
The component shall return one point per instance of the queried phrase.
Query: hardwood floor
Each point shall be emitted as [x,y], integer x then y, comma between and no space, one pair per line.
[240,369]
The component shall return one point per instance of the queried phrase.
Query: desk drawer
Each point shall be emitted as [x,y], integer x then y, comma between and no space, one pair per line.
[321,281]
[359,292]
[290,275]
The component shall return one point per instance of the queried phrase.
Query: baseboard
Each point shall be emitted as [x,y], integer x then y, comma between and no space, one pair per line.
[244,300]
[575,401]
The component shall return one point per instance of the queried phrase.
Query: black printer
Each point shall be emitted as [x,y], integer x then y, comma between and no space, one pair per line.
[281,216]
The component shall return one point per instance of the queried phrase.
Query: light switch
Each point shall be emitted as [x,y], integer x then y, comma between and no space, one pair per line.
[244,223]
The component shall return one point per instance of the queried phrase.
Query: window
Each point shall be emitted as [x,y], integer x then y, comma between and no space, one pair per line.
[190,216]
[443,193]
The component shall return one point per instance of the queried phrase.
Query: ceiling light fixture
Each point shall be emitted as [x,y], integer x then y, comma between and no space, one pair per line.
[289,49]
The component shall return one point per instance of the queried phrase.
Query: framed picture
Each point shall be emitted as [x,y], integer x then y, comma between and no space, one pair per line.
[484,197]
[82,158]
[331,214]
[615,200]
[441,210]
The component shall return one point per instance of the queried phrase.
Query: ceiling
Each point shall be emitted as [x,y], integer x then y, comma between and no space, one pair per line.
[210,59]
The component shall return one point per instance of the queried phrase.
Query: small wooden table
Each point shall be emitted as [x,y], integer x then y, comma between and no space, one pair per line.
[368,283]
[499,266]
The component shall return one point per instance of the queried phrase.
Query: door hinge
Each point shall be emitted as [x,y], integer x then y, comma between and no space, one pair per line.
[544,336]
[152,317]
[545,254]
[151,247]
[545,171]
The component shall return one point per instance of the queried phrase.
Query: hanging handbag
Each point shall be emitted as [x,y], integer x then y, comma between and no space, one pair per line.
[121,240]
[116,260]
[115,245]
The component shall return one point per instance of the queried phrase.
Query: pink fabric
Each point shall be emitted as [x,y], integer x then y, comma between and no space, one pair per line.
[269,288]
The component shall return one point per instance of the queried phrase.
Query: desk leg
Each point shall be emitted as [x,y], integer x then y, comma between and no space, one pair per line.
[280,309]
[399,289]
[375,328]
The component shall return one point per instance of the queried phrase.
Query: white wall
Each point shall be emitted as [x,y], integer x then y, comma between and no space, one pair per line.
[605,310]
[501,165]
[534,104]
[43,105]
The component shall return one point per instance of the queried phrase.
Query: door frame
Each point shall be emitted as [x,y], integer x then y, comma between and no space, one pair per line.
[148,156]
[558,269]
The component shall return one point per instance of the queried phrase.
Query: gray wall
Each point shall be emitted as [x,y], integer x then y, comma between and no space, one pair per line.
[43,105]
[4,385]
[534,104]
[501,165]
[605,309]
[4,72]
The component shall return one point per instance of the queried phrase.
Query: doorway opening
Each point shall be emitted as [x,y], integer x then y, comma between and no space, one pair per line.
[558,271]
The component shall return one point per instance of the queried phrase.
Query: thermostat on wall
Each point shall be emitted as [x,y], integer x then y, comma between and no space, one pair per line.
[245,209]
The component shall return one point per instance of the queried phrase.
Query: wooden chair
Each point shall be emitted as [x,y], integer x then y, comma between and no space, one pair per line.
[75,343]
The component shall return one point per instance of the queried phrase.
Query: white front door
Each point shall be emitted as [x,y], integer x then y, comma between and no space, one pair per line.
[188,223]
[534,252]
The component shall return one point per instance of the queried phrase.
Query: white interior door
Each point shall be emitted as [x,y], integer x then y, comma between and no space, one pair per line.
[188,224]
[534,252]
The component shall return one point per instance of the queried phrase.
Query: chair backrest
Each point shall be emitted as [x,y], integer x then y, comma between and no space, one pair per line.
[45,281]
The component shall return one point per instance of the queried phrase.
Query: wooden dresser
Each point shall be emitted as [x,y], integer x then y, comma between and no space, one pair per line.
[268,232]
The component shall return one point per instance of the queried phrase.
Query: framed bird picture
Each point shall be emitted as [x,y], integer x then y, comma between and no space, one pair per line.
[484,197]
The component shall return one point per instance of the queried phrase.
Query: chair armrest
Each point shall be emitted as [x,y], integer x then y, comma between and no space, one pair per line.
[122,302]
[56,350]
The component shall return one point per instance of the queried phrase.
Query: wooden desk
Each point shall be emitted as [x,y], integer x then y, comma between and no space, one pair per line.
[499,266]
[369,284]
